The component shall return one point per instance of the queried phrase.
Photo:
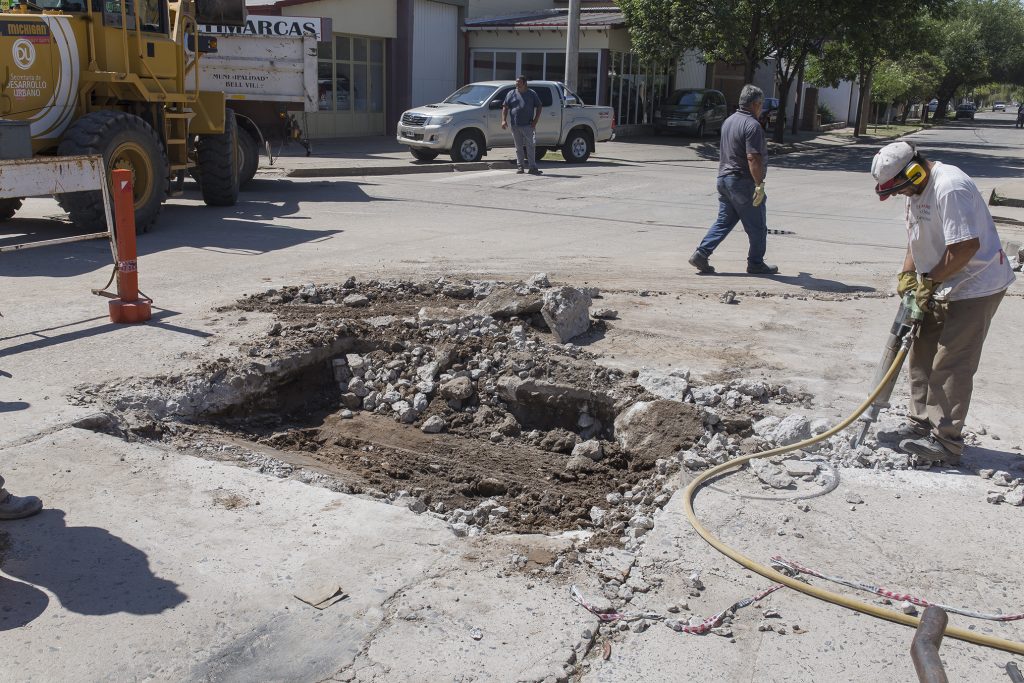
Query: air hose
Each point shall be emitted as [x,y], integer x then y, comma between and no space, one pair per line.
[813,591]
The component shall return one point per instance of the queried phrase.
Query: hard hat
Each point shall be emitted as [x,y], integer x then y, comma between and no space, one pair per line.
[894,167]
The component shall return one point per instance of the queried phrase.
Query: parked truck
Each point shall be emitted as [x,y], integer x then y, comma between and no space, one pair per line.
[468,123]
[267,70]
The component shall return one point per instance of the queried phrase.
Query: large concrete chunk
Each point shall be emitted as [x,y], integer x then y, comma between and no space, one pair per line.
[650,430]
[566,310]
[505,302]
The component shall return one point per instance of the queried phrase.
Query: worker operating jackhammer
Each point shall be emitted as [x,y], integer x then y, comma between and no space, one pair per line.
[956,268]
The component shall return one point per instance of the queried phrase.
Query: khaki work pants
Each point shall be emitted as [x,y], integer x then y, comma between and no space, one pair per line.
[943,360]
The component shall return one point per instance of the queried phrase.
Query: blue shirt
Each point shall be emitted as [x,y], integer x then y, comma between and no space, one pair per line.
[522,106]
[741,135]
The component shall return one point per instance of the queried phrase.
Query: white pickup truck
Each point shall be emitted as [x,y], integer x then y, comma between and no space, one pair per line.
[468,123]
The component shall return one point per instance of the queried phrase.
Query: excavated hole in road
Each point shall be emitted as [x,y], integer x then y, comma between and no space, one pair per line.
[340,393]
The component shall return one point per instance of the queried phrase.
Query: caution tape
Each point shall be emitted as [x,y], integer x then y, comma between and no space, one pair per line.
[131,266]
[795,568]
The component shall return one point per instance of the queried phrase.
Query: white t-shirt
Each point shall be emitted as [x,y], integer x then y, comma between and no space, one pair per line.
[949,211]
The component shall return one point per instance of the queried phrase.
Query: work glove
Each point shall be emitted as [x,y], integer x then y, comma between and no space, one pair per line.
[759,194]
[925,291]
[906,282]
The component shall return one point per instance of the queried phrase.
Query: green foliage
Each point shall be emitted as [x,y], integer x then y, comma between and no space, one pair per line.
[657,29]
[826,114]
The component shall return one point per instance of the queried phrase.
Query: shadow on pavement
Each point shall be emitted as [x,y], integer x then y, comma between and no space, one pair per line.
[38,339]
[243,229]
[978,458]
[90,570]
[805,281]
[20,604]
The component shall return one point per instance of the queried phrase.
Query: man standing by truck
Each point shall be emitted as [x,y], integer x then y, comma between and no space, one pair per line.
[524,106]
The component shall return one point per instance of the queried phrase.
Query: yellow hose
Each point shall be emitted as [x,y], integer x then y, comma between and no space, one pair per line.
[814,591]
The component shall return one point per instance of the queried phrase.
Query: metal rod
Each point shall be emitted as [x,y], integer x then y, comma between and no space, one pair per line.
[1014,673]
[61,240]
[924,650]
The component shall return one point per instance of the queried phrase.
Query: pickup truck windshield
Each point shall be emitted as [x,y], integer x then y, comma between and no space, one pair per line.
[471,94]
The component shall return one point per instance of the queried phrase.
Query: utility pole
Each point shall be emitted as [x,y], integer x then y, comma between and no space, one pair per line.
[572,46]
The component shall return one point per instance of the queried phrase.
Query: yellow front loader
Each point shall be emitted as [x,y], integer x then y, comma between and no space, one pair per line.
[118,78]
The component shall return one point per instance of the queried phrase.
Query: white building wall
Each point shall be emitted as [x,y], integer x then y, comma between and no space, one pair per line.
[692,71]
[435,57]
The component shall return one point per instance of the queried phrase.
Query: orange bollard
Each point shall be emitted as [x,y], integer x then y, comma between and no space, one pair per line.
[127,307]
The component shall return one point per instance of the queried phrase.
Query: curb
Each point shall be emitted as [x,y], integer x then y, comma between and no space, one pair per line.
[431,167]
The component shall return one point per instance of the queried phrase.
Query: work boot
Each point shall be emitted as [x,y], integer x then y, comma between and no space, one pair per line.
[536,171]
[700,262]
[928,449]
[16,507]
[906,431]
[761,269]
[519,170]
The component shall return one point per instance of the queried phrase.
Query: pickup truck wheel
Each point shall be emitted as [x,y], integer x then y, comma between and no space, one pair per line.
[539,153]
[9,207]
[469,146]
[423,154]
[576,149]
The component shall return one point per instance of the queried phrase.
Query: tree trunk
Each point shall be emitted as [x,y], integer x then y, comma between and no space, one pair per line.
[863,103]
[799,98]
[780,119]
[906,113]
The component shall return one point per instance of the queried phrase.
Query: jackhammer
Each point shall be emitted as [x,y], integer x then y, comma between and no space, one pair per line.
[902,333]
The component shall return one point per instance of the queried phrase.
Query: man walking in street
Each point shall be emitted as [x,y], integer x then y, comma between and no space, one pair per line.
[958,272]
[741,169]
[524,106]
[16,507]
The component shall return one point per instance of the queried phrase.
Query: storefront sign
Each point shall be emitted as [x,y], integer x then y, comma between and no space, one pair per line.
[260,25]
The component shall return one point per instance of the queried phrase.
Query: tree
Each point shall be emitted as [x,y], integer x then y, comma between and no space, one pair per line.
[656,30]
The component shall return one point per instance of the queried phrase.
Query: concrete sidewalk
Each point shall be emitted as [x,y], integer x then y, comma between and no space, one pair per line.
[382,155]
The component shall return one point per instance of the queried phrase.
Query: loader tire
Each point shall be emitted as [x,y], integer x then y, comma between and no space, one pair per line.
[217,157]
[9,207]
[248,157]
[125,142]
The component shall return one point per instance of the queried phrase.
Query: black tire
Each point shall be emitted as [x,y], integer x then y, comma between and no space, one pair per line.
[657,131]
[217,157]
[423,154]
[9,207]
[124,141]
[469,146]
[539,152]
[248,157]
[576,149]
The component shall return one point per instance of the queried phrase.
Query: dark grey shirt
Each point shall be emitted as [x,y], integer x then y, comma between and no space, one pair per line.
[741,135]
[522,107]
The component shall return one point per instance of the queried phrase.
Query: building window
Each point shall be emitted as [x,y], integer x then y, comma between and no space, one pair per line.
[350,73]
[488,65]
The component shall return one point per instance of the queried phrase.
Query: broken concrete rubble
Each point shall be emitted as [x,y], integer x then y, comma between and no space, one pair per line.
[566,311]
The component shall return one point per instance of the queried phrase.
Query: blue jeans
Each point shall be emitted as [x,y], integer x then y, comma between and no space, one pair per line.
[736,204]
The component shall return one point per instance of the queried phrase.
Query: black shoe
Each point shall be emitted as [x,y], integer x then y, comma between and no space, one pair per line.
[928,449]
[536,171]
[905,432]
[700,262]
[762,269]
[519,170]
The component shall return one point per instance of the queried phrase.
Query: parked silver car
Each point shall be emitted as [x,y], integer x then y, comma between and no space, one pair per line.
[693,111]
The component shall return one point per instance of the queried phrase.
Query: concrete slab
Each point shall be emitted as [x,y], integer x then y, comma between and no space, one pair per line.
[150,565]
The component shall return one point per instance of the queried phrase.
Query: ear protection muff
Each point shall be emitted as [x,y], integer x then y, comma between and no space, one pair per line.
[914,172]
